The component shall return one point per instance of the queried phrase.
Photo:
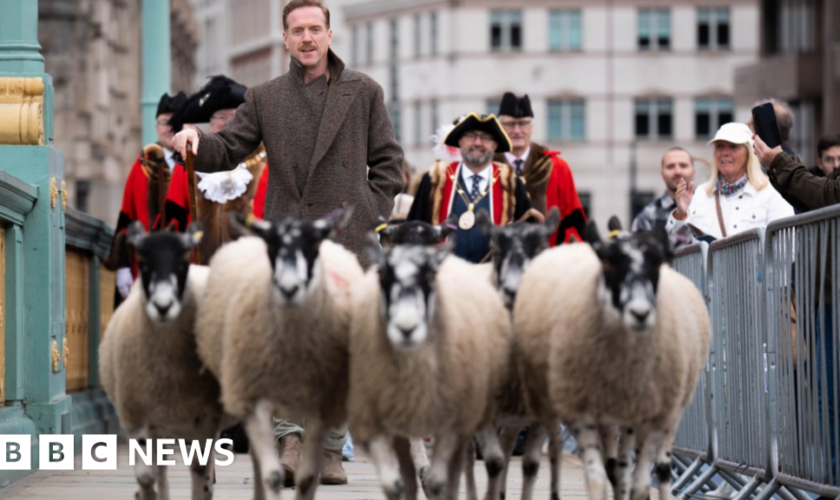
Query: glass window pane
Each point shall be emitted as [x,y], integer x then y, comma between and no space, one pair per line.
[496,37]
[555,120]
[492,106]
[515,16]
[702,124]
[663,124]
[704,15]
[644,23]
[578,120]
[554,31]
[722,15]
[642,125]
[575,30]
[495,16]
[723,35]
[516,36]
[703,37]
[434,33]
[663,28]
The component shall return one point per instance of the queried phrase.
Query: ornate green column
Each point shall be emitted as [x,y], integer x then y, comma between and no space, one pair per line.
[26,153]
[157,62]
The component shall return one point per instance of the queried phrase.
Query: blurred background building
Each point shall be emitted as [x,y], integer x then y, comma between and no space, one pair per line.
[92,50]
[614,83]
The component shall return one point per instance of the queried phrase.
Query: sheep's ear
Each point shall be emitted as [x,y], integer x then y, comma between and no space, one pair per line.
[385,230]
[614,224]
[591,236]
[551,222]
[331,225]
[136,233]
[193,235]
[485,223]
[660,235]
[374,251]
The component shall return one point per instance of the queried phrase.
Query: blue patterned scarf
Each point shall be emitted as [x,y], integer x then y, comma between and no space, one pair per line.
[729,188]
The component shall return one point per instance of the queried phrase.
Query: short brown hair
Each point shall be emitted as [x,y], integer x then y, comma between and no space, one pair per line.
[296,4]
[677,148]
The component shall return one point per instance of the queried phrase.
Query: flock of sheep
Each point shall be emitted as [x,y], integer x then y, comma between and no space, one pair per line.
[602,336]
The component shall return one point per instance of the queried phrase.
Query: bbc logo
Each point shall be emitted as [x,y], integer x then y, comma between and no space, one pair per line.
[57,452]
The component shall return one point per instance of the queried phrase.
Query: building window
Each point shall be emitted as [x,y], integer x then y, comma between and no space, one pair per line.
[710,114]
[354,45]
[566,120]
[506,30]
[418,36]
[418,123]
[369,41]
[492,106]
[82,195]
[654,118]
[713,28]
[564,28]
[654,29]
[396,120]
[435,118]
[434,33]
[394,60]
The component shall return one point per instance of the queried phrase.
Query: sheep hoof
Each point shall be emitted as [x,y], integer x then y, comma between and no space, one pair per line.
[274,481]
[494,466]
[433,489]
[555,495]
[611,466]
[305,484]
[395,490]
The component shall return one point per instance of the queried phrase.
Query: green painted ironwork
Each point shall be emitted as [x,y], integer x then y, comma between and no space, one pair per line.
[157,66]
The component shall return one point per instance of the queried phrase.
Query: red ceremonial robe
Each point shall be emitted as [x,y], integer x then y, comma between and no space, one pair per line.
[497,199]
[134,205]
[562,193]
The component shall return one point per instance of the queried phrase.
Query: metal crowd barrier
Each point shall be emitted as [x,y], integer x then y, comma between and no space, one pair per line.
[694,439]
[765,416]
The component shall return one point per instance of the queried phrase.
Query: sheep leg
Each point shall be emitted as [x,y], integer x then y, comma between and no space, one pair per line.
[589,442]
[162,483]
[624,469]
[446,445]
[310,465]
[259,489]
[531,460]
[387,466]
[260,433]
[609,436]
[555,453]
[419,457]
[494,459]
[464,456]
[508,442]
[202,478]
[467,457]
[145,475]
[403,447]
[641,476]
[663,462]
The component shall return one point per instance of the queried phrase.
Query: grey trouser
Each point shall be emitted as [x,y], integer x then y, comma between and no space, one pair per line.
[333,440]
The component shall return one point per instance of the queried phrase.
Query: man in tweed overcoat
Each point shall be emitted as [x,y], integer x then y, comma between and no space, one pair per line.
[322,126]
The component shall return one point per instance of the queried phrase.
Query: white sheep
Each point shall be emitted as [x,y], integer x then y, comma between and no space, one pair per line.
[273,329]
[148,362]
[427,337]
[628,337]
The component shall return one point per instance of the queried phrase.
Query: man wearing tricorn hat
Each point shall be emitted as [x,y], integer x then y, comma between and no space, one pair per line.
[546,176]
[221,192]
[136,205]
[461,189]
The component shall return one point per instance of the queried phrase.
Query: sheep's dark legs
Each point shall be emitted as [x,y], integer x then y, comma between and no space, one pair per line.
[408,472]
[202,477]
[464,456]
[261,439]
[494,459]
[589,441]
[609,437]
[446,445]
[531,460]
[387,466]
[306,478]
[555,455]
[624,464]
[259,488]
[650,443]
[507,440]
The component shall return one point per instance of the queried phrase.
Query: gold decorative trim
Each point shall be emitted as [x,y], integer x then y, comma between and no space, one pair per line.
[56,357]
[66,351]
[53,191]
[63,195]
[22,111]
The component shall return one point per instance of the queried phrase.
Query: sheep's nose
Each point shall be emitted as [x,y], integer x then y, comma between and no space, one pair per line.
[509,296]
[163,308]
[406,331]
[289,291]
[640,316]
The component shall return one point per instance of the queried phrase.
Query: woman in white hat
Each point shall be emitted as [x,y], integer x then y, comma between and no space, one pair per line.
[737,197]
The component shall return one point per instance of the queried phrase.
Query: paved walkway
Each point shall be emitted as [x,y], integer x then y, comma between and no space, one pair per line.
[234,482]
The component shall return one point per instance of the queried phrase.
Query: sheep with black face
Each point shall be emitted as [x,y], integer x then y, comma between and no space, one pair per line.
[628,337]
[148,362]
[428,330]
[273,329]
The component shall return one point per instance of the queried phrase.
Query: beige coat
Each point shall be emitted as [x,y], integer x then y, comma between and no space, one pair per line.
[355,132]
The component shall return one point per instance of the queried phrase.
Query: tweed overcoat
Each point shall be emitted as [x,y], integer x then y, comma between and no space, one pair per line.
[355,133]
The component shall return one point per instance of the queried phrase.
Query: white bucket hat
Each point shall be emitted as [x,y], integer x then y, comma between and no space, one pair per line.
[736,133]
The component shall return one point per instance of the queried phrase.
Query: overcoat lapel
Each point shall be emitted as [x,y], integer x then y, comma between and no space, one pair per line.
[339,97]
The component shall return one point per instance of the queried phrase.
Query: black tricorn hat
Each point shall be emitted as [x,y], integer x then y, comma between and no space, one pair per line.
[220,92]
[485,123]
[517,107]
[171,104]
